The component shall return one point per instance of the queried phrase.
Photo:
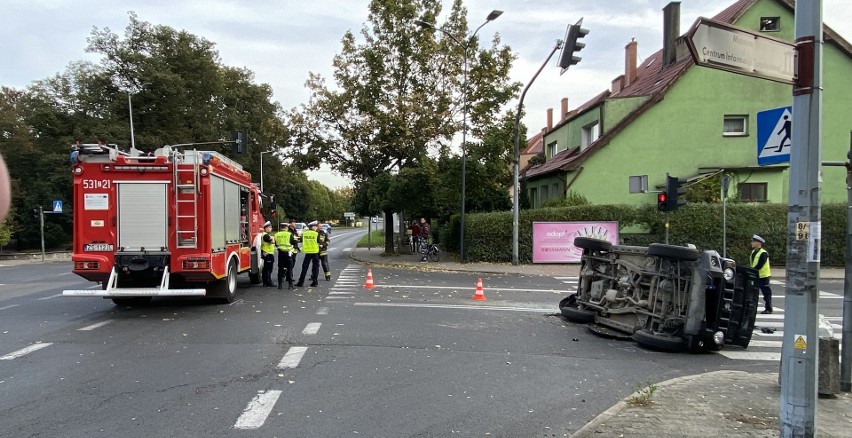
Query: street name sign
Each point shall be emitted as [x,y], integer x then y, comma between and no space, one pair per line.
[722,46]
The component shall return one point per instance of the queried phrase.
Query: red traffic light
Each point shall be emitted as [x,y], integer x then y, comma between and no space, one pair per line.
[661,197]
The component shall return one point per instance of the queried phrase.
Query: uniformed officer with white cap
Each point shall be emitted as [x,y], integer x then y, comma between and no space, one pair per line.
[267,250]
[311,249]
[759,260]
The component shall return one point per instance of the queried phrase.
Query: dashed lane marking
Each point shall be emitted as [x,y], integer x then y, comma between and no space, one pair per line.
[96,325]
[292,358]
[24,351]
[322,311]
[9,306]
[50,297]
[258,410]
[463,307]
[312,328]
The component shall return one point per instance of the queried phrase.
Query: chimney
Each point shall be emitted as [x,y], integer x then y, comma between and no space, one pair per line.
[549,119]
[630,62]
[564,114]
[671,30]
[617,84]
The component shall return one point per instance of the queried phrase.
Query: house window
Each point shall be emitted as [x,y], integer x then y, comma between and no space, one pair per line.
[544,194]
[533,197]
[591,132]
[555,189]
[735,126]
[770,24]
[551,149]
[752,192]
[639,184]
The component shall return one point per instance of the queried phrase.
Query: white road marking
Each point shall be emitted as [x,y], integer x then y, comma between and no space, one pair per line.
[759,343]
[258,410]
[472,288]
[94,287]
[322,311]
[64,273]
[340,292]
[292,358]
[312,328]
[50,297]
[96,325]
[27,350]
[463,307]
[9,306]
[347,249]
[751,355]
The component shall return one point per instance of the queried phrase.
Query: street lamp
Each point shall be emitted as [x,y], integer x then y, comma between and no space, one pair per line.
[261,169]
[465,48]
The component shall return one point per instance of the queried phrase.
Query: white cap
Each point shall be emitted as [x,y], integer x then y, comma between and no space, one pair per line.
[313,224]
[267,224]
[758,238]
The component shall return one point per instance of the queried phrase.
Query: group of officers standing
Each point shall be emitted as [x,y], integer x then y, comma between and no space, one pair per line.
[314,244]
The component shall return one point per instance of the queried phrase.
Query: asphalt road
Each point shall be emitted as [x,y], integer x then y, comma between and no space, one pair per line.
[415,356]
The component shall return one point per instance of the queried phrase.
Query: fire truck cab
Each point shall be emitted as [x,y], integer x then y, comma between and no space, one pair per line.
[170,223]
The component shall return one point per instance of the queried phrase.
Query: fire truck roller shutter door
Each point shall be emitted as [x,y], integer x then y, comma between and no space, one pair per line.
[142,216]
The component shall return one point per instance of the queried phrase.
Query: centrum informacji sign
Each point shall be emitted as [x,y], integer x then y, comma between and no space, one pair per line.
[553,242]
[723,46]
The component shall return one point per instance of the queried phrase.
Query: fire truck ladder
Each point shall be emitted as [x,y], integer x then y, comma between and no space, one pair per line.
[186,200]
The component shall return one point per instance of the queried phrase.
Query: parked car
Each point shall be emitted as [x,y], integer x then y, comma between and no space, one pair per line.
[666,297]
[300,228]
[327,229]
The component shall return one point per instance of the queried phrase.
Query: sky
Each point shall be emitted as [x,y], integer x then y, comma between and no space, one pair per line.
[281,41]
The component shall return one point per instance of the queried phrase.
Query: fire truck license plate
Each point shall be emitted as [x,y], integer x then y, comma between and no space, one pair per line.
[97,247]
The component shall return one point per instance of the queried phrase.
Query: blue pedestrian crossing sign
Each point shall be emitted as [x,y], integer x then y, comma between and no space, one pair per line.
[774,135]
[57,206]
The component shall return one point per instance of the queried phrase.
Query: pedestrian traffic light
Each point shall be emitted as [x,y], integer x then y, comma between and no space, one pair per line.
[675,193]
[661,202]
[571,45]
[36,214]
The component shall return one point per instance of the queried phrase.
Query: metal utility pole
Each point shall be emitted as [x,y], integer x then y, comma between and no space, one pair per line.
[41,226]
[800,343]
[725,182]
[517,156]
[846,342]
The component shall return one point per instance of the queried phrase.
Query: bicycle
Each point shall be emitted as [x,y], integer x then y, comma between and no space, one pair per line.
[430,251]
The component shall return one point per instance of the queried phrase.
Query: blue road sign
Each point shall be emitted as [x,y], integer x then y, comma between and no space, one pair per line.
[57,206]
[774,135]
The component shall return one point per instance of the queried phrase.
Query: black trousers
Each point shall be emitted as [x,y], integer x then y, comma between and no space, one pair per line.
[313,260]
[285,267]
[763,285]
[268,265]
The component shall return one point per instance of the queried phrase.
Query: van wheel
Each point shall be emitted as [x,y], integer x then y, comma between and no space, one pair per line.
[659,342]
[682,253]
[225,290]
[571,310]
[131,301]
[592,244]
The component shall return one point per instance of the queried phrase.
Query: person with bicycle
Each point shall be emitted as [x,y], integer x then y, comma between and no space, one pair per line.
[425,231]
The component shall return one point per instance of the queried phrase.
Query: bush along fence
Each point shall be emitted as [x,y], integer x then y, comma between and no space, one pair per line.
[488,236]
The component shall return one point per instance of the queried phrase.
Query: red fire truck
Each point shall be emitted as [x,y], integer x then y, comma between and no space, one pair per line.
[171,223]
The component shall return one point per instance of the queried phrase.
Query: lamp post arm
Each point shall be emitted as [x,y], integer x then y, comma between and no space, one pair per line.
[517,157]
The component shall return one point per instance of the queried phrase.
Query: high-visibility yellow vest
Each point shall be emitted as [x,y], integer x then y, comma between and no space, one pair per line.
[309,242]
[267,247]
[282,240]
[764,272]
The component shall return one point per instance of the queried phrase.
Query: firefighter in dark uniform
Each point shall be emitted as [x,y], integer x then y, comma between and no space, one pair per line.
[267,250]
[310,246]
[286,243]
[324,239]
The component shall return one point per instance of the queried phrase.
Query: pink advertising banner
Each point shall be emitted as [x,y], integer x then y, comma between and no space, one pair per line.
[553,242]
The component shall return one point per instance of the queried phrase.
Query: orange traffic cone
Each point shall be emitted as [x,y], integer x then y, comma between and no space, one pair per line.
[480,293]
[369,284]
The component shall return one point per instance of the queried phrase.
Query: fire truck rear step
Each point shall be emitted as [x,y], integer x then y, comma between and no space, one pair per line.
[112,291]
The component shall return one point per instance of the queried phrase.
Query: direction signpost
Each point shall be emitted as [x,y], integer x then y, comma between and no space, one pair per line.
[723,46]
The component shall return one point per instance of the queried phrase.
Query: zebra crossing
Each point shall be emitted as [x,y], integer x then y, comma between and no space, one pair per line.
[570,282]
[347,283]
[768,346]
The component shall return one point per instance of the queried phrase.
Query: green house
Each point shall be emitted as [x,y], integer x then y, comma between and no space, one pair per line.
[669,115]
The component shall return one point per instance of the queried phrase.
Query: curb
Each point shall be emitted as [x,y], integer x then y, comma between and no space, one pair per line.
[590,427]
[430,267]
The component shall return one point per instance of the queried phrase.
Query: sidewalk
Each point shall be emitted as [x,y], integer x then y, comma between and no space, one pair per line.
[714,404]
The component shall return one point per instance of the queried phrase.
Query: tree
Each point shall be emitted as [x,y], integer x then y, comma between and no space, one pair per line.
[396,96]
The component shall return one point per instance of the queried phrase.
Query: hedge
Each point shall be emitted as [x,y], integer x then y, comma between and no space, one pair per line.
[488,236]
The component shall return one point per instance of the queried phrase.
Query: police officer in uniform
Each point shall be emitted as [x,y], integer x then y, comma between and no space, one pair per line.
[310,246]
[286,243]
[324,239]
[759,260]
[267,250]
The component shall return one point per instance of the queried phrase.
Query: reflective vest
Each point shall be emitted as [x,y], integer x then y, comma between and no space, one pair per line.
[282,240]
[309,242]
[764,271]
[267,247]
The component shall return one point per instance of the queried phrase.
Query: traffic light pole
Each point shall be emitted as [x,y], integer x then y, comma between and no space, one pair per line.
[41,227]
[800,344]
[667,227]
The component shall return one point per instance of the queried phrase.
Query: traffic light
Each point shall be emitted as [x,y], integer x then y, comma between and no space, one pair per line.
[661,202]
[567,58]
[36,214]
[675,193]
[238,138]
